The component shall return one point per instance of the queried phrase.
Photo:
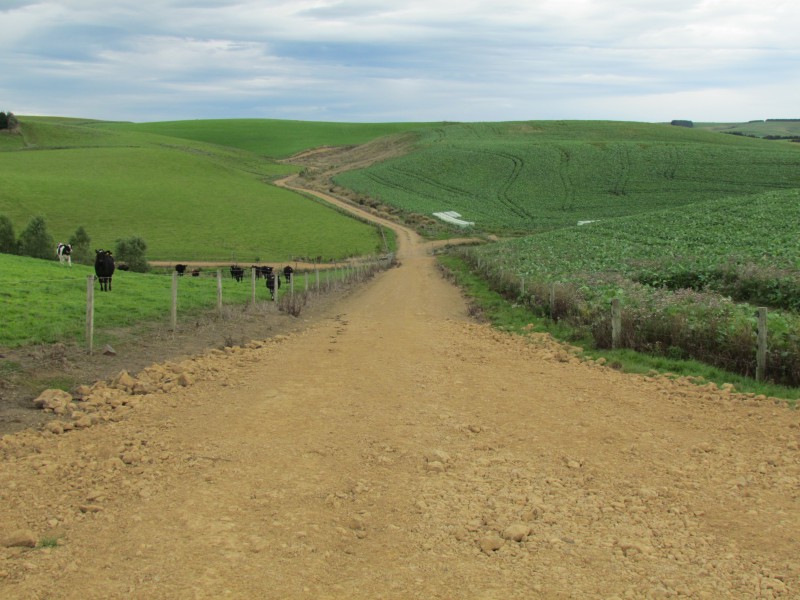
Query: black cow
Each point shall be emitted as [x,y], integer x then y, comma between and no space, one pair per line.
[260,271]
[123,267]
[104,268]
[63,252]
[237,272]
[273,283]
[180,269]
[196,272]
[287,273]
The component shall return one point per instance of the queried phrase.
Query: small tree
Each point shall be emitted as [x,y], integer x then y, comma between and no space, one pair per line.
[35,241]
[132,252]
[3,120]
[81,247]
[8,241]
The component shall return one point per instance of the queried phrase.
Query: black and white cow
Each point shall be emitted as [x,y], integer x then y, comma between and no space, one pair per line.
[287,273]
[104,268]
[64,252]
[237,272]
[273,282]
[180,269]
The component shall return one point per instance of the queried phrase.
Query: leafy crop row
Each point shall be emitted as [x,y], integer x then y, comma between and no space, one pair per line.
[689,279]
[536,176]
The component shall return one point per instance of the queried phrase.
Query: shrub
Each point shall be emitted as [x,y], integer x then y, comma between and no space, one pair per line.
[132,251]
[8,242]
[35,241]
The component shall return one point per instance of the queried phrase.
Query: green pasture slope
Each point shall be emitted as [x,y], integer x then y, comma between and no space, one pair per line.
[270,137]
[189,200]
[533,176]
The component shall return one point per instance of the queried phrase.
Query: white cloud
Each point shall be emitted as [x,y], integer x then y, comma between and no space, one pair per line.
[359,59]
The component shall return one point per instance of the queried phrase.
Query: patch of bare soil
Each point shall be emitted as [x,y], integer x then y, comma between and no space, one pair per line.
[395,449]
[27,371]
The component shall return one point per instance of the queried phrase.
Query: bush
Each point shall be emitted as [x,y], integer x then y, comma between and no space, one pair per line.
[132,251]
[35,241]
[81,247]
[8,241]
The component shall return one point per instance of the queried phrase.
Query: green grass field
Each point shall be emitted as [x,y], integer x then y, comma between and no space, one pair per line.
[269,137]
[534,176]
[188,200]
[44,301]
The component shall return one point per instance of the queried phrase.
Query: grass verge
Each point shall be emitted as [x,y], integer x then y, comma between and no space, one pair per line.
[490,306]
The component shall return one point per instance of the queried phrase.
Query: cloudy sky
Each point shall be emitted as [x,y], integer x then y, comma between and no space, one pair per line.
[415,60]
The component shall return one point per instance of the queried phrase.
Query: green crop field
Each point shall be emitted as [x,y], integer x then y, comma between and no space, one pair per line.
[534,176]
[690,279]
[269,137]
[188,200]
[785,128]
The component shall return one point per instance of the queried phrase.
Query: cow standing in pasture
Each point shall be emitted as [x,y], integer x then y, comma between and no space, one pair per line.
[104,268]
[64,253]
[273,282]
[287,273]
[237,272]
[196,272]
[260,271]
[180,269]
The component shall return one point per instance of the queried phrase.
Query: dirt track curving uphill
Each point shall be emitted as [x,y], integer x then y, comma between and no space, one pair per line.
[397,450]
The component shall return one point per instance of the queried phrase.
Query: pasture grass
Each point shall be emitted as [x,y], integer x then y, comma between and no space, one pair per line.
[45,302]
[270,137]
[188,200]
[512,317]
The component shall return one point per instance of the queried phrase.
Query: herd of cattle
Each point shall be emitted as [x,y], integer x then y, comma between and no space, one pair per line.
[104,267]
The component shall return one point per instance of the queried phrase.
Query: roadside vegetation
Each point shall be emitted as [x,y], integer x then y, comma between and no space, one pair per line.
[689,280]
[508,312]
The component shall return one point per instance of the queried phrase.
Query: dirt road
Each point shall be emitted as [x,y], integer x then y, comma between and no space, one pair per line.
[398,450]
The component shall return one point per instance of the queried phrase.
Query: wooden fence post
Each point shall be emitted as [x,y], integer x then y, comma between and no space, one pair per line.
[306,278]
[174,312]
[219,290]
[316,270]
[761,355]
[616,323]
[291,283]
[90,313]
[552,301]
[253,287]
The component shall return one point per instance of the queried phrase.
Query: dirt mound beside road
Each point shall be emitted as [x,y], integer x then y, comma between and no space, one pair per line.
[398,450]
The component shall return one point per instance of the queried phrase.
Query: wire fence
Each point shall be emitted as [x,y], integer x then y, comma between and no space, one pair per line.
[70,306]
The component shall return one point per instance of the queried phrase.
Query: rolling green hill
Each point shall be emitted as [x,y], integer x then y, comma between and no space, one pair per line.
[270,137]
[189,200]
[533,176]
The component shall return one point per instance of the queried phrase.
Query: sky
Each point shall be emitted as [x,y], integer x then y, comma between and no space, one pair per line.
[388,61]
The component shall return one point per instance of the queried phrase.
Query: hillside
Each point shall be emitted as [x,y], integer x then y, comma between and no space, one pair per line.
[270,137]
[532,176]
[189,200]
